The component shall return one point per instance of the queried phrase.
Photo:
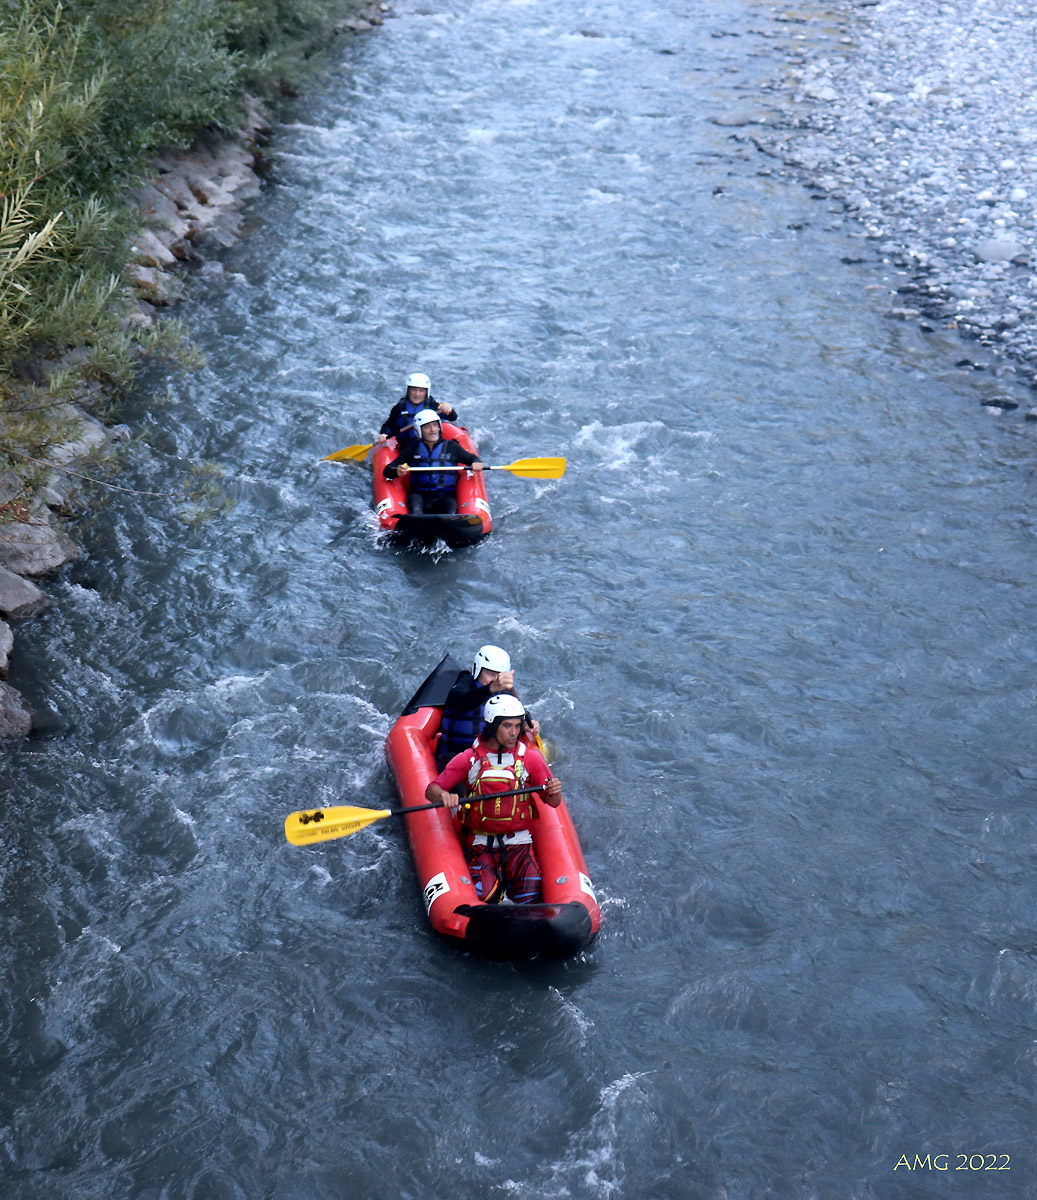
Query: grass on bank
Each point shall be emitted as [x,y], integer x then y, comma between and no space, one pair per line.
[90,91]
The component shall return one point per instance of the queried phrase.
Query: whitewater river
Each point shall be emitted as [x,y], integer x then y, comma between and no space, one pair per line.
[777,621]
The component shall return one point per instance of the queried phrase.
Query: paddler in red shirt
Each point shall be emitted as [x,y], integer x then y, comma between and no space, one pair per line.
[495,833]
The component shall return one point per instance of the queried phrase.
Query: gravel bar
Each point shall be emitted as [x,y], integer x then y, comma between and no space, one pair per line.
[920,119]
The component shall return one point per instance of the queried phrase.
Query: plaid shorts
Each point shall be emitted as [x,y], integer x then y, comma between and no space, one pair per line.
[496,868]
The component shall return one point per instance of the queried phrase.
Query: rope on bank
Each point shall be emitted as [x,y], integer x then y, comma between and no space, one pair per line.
[89,479]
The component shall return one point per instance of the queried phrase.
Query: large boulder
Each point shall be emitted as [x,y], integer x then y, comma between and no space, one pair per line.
[18,597]
[6,646]
[15,713]
[36,546]
[149,251]
[999,249]
[90,437]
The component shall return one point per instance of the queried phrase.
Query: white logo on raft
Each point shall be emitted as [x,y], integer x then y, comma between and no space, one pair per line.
[481,503]
[585,885]
[435,888]
[383,506]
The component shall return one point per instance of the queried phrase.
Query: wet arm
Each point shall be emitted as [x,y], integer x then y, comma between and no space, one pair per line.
[446,787]
[540,773]
[392,469]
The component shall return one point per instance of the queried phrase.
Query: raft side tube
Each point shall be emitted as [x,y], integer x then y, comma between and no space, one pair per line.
[432,832]
[562,865]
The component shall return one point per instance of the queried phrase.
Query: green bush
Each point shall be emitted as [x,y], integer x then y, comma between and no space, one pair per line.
[60,246]
[89,91]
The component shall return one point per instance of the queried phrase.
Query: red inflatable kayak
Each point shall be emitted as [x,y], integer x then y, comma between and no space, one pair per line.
[472,520]
[567,919]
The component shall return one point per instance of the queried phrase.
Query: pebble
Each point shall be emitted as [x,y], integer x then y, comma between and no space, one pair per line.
[916,118]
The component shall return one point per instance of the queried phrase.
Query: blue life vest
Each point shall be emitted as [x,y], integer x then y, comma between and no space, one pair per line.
[457,731]
[405,420]
[422,456]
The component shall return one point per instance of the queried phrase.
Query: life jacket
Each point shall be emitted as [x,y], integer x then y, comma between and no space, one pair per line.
[422,456]
[497,772]
[404,430]
[458,729]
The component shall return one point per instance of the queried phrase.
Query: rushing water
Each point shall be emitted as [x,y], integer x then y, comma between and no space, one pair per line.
[776,621]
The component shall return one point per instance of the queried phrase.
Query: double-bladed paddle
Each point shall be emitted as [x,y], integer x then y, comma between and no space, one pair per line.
[339,821]
[530,468]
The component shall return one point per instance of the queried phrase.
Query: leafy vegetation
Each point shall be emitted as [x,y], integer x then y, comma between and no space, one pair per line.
[89,90]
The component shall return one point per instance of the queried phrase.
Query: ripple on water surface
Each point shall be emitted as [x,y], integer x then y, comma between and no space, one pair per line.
[774,620]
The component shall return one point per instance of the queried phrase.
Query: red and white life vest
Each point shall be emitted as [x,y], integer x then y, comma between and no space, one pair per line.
[492,772]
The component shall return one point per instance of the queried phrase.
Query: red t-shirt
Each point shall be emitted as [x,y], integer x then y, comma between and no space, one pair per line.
[454,775]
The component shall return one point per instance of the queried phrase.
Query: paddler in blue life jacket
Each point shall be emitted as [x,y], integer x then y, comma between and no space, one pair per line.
[400,421]
[495,832]
[430,491]
[490,675]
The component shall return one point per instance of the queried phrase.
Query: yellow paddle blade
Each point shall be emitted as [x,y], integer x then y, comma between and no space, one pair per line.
[350,454]
[536,468]
[323,824]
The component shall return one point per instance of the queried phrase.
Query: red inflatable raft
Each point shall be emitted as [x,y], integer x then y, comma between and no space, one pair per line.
[472,520]
[566,920]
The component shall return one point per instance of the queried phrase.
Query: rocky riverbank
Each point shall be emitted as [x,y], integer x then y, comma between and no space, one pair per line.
[919,118]
[191,209]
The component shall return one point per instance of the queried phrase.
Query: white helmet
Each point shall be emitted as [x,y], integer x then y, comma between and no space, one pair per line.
[417,379]
[425,417]
[491,658]
[501,707]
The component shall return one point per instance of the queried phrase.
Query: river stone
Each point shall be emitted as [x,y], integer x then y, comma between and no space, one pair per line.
[172,183]
[160,288]
[150,251]
[216,227]
[6,646]
[15,713]
[35,547]
[90,436]
[235,170]
[737,117]
[11,485]
[18,597]
[998,250]
[162,211]
[822,90]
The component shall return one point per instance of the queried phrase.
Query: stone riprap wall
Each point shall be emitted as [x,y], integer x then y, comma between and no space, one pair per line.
[191,209]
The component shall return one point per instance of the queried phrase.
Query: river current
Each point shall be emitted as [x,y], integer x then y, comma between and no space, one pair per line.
[776,621]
